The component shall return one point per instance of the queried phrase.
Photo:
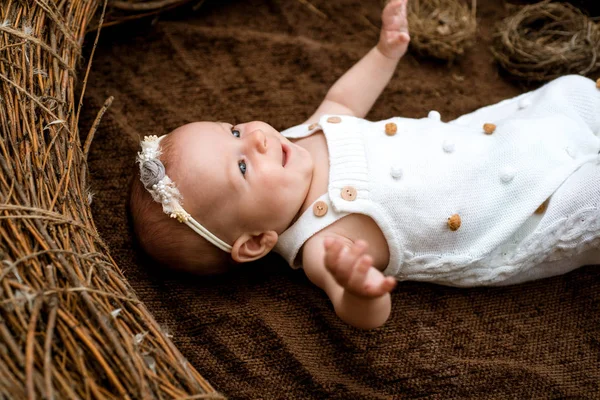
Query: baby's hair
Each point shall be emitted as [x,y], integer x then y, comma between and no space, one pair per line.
[164,239]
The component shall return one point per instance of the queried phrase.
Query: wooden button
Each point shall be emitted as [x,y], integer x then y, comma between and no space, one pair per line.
[489,128]
[391,129]
[348,193]
[542,208]
[312,126]
[320,208]
[454,222]
[334,120]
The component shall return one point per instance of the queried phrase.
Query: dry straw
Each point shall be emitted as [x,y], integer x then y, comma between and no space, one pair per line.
[70,324]
[546,40]
[442,29]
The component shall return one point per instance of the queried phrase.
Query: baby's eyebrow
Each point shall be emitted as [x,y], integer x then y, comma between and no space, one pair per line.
[224,125]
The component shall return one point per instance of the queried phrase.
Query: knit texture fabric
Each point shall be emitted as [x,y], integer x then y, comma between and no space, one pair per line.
[411,182]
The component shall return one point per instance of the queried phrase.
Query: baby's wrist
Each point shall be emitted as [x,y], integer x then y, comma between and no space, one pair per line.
[383,49]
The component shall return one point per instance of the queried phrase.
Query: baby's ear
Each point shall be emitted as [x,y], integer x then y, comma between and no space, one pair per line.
[250,247]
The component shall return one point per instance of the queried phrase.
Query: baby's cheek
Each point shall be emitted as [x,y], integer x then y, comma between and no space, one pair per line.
[280,191]
[264,211]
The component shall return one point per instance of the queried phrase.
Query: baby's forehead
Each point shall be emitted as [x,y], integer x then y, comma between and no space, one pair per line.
[191,140]
[197,156]
[197,132]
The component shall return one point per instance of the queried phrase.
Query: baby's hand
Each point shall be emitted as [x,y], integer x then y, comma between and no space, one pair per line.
[353,269]
[394,37]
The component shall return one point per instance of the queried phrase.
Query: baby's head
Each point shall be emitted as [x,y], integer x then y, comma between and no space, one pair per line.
[241,187]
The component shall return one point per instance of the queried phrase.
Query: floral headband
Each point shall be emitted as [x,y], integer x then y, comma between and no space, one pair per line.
[163,190]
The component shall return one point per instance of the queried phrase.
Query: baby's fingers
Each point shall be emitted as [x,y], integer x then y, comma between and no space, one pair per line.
[359,273]
[394,14]
[347,260]
[388,284]
[333,248]
[380,286]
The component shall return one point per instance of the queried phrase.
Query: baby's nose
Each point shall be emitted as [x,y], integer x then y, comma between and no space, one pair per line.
[259,140]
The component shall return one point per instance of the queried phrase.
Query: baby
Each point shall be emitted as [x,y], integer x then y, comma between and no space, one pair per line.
[503,195]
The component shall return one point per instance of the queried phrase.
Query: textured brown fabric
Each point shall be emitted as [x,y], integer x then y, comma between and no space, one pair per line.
[268,332]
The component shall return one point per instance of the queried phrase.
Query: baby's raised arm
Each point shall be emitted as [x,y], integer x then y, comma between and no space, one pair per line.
[360,293]
[358,89]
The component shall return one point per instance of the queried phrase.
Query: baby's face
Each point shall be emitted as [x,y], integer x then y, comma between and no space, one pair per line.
[247,177]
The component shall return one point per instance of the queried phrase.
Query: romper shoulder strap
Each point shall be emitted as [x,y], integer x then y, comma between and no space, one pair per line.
[300,131]
[309,223]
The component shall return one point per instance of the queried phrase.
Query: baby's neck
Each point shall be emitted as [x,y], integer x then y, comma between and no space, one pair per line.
[317,147]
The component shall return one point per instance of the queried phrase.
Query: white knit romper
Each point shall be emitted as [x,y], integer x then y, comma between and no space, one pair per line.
[544,151]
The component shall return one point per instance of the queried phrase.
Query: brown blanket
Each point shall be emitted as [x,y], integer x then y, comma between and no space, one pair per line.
[268,332]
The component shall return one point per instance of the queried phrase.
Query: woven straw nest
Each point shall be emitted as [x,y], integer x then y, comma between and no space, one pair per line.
[442,29]
[70,324]
[546,40]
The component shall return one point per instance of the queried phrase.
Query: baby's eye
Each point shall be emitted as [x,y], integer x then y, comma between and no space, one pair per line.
[242,165]
[235,132]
